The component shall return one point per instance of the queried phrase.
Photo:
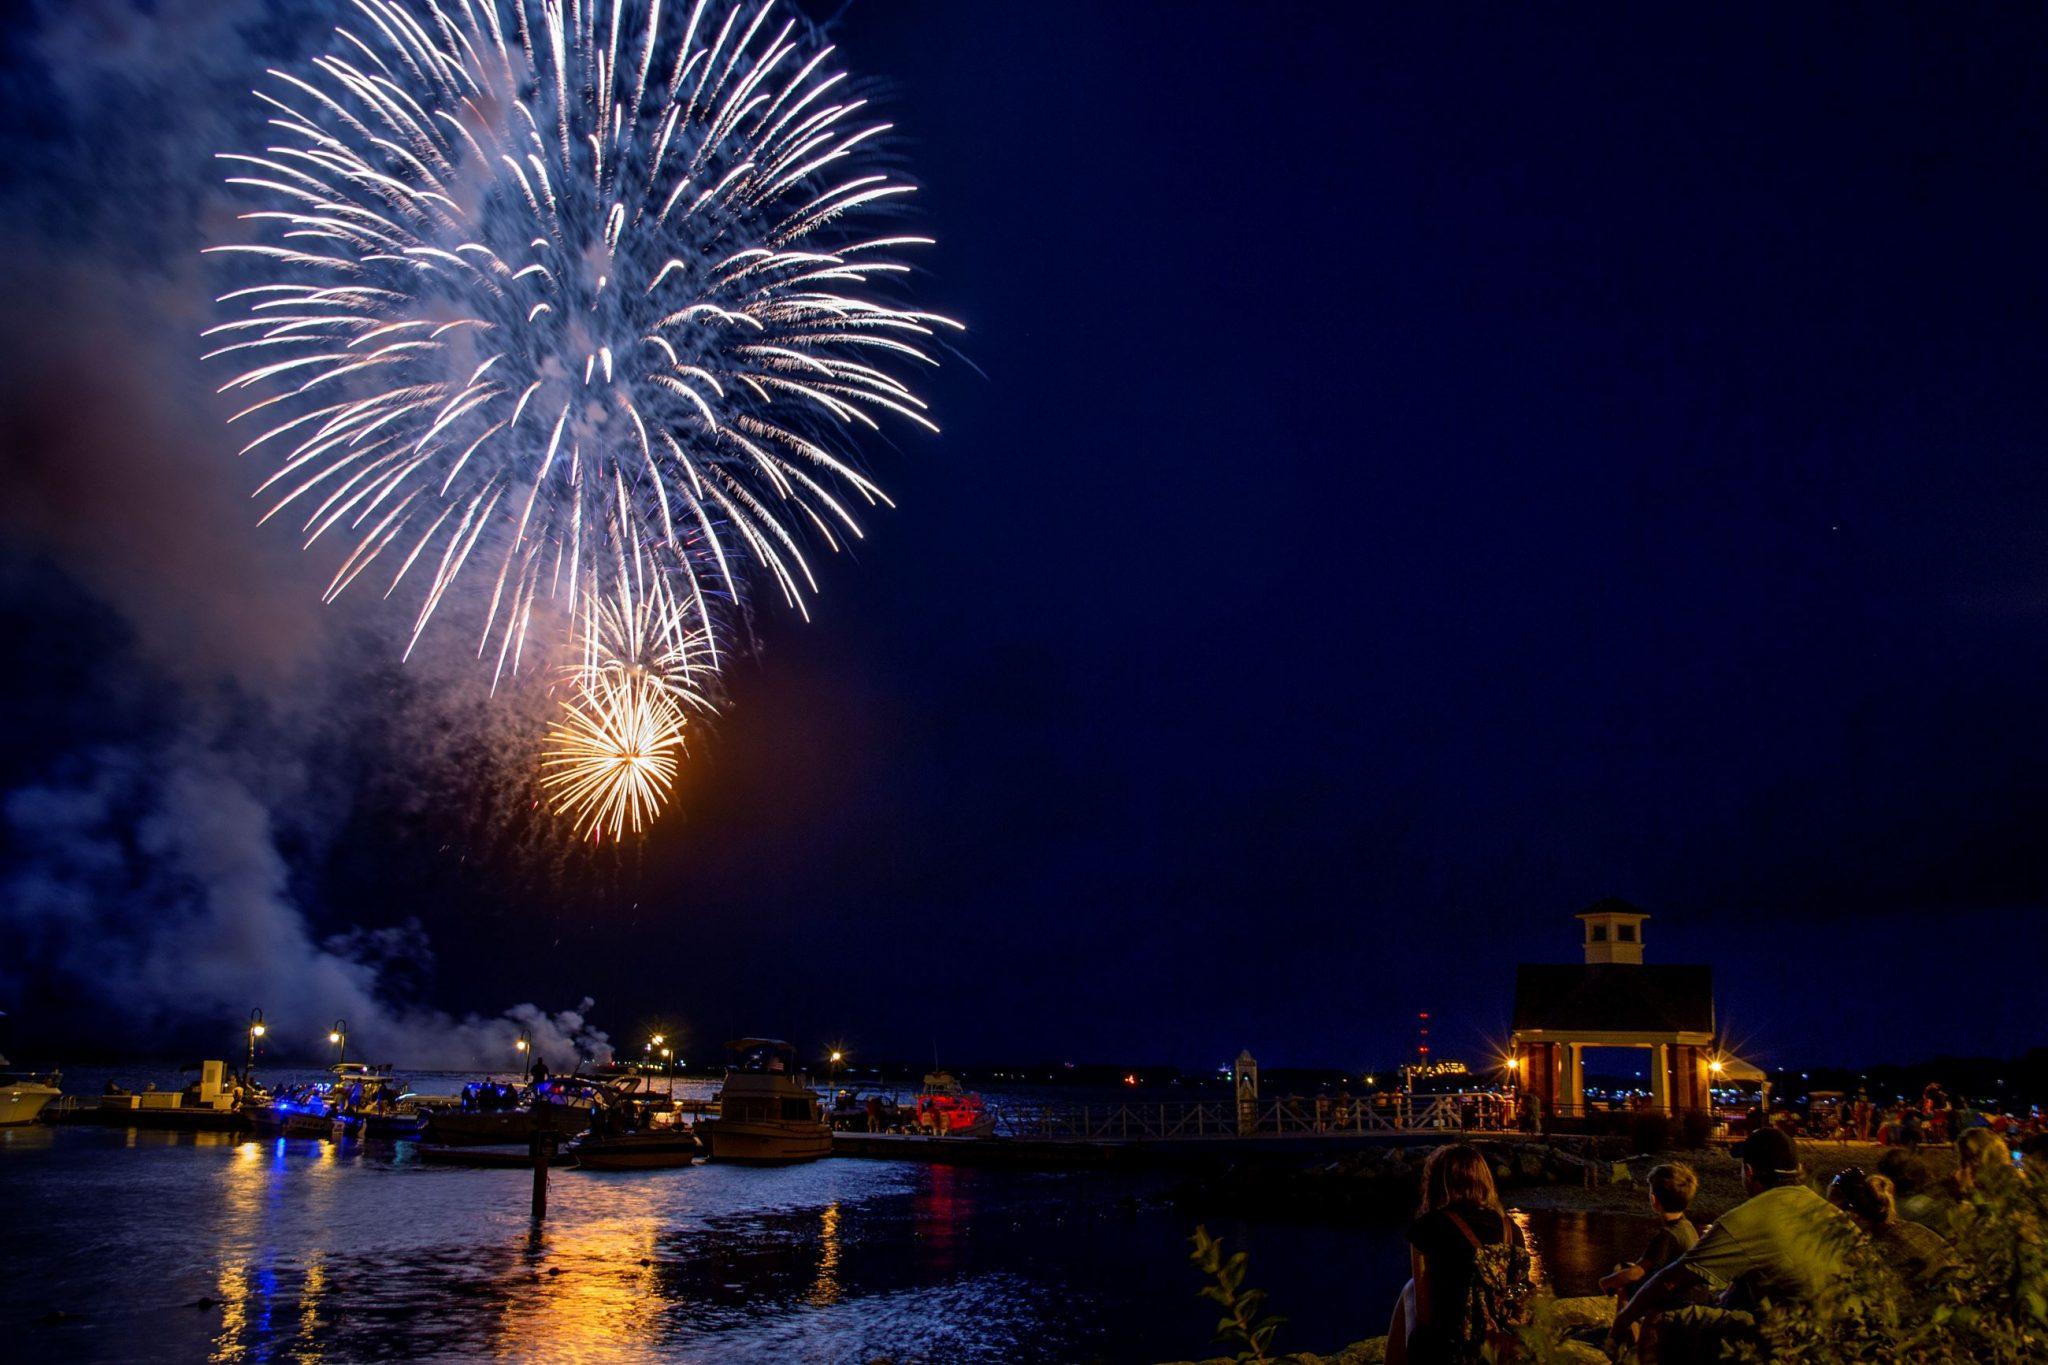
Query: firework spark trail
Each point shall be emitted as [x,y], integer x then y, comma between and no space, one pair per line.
[611,759]
[538,289]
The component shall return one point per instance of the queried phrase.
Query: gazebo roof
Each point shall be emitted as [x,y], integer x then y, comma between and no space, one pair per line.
[1615,997]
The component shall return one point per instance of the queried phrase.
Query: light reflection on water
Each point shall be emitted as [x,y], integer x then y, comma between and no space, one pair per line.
[184,1246]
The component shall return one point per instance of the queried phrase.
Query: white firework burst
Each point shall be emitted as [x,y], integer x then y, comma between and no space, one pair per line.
[539,289]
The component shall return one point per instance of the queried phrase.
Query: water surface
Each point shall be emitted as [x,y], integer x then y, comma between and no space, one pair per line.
[131,1245]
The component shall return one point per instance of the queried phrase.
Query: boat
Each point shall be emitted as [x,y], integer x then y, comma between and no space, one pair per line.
[495,1112]
[493,1155]
[296,1111]
[853,1112]
[489,1112]
[24,1093]
[643,1149]
[945,1108]
[566,1103]
[371,1103]
[768,1115]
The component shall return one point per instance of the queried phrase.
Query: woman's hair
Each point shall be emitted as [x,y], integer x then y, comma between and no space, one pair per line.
[1458,1174]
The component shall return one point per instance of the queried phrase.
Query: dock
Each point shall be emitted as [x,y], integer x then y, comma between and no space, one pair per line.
[1055,1137]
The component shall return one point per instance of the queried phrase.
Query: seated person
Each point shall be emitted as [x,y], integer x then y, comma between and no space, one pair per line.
[1471,1268]
[1918,1253]
[1671,1190]
[1784,1244]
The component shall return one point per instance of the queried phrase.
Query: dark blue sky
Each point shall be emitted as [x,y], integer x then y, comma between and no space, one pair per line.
[1431,469]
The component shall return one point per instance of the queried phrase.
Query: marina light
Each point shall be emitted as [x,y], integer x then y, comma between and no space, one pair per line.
[256,1031]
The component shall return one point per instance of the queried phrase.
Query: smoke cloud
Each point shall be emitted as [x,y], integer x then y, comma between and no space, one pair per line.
[155,860]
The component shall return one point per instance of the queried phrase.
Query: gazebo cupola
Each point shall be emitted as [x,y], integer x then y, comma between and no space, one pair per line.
[1613,1000]
[1614,932]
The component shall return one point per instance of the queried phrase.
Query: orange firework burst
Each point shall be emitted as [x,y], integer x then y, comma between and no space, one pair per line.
[613,757]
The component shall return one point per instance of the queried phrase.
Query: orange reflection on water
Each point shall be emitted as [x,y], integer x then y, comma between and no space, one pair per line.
[586,1287]
[825,1289]
[311,1294]
[1536,1270]
[241,1199]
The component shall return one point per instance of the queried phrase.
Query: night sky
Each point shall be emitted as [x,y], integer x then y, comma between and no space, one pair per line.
[1410,475]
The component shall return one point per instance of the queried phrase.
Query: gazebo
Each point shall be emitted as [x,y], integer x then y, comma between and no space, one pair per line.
[1613,999]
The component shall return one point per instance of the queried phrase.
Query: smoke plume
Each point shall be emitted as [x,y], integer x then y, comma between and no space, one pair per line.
[157,847]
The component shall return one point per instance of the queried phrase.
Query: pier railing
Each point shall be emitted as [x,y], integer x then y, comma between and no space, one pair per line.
[1283,1116]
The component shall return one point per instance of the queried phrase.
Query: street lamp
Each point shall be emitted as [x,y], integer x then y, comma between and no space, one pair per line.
[338,1035]
[667,1066]
[524,1042]
[256,1030]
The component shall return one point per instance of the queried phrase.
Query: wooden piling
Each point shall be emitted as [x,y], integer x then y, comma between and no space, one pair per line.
[543,1149]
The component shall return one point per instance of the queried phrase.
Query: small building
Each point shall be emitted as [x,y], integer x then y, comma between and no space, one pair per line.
[1611,1000]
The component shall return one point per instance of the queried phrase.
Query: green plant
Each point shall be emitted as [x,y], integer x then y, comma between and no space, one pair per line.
[1243,1324]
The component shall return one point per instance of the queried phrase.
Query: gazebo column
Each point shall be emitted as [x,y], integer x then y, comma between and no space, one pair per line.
[1660,1077]
[1571,1098]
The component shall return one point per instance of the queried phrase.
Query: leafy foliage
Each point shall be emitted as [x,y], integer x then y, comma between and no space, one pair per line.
[1244,1324]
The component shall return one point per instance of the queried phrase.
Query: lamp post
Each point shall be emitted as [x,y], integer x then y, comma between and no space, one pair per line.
[338,1035]
[668,1066]
[524,1042]
[835,1059]
[256,1030]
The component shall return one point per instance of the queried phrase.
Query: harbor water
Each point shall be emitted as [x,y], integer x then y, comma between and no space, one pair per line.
[136,1245]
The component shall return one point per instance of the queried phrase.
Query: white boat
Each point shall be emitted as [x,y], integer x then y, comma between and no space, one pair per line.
[23,1094]
[768,1115]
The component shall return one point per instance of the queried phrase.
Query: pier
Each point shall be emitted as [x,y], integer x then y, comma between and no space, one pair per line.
[1057,1136]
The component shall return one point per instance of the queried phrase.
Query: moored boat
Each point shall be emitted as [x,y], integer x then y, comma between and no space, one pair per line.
[646,1149]
[489,1112]
[493,1155]
[24,1093]
[853,1112]
[946,1108]
[372,1103]
[768,1115]
[565,1104]
[295,1111]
